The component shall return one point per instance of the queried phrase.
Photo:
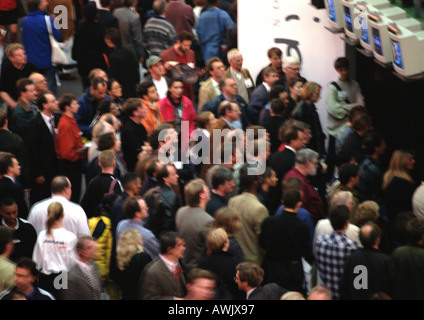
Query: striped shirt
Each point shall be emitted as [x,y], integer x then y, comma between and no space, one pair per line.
[158,35]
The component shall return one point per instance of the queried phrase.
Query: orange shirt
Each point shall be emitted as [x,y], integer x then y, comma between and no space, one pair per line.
[68,140]
[153,117]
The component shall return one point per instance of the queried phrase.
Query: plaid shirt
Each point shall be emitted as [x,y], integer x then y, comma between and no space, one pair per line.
[331,252]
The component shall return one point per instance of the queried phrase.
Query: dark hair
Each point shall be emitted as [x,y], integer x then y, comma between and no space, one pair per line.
[220,177]
[415,230]
[274,50]
[113,35]
[33,5]
[153,138]
[42,99]
[248,181]
[90,11]
[98,81]
[292,81]
[128,179]
[361,121]
[6,236]
[28,264]
[338,217]
[152,166]
[291,198]
[184,35]
[197,273]
[224,107]
[131,206]
[3,118]
[163,173]
[275,91]
[66,100]
[370,239]
[6,161]
[131,105]
[277,106]
[371,140]
[347,171]
[21,85]
[7,202]
[168,239]
[341,62]
[106,141]
[143,88]
[104,106]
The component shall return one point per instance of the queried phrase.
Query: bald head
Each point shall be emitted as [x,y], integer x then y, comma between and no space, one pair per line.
[369,235]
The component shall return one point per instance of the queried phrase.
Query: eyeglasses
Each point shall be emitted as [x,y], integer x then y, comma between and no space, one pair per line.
[294,69]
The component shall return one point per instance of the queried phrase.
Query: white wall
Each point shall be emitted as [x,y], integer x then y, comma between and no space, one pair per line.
[261,22]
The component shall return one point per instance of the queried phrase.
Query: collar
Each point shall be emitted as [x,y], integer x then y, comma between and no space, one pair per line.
[267,87]
[248,293]
[228,123]
[168,263]
[13,180]
[290,148]
[16,227]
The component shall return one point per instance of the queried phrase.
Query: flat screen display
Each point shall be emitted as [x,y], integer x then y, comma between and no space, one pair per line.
[377,41]
[348,18]
[331,11]
[397,54]
[364,28]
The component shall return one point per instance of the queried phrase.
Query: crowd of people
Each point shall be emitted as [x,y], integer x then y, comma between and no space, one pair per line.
[176,175]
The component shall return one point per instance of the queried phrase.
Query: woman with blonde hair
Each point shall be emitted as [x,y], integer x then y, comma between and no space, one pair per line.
[230,220]
[131,260]
[222,263]
[398,184]
[307,112]
[54,251]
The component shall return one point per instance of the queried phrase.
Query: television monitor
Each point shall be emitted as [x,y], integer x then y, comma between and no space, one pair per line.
[335,15]
[406,46]
[362,8]
[377,30]
[351,29]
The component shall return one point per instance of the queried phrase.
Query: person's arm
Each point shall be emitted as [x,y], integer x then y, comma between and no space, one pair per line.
[8,99]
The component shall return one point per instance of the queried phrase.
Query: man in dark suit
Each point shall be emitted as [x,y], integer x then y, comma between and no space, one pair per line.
[13,143]
[133,133]
[10,170]
[259,97]
[249,277]
[229,90]
[162,279]
[285,239]
[105,17]
[39,141]
[283,161]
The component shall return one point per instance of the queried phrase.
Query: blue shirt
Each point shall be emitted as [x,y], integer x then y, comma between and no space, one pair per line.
[150,243]
[211,29]
[35,38]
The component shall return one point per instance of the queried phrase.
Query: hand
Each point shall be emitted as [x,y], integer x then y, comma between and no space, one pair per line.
[40,180]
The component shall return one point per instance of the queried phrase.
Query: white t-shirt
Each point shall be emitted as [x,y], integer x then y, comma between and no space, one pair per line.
[75,219]
[161,87]
[56,252]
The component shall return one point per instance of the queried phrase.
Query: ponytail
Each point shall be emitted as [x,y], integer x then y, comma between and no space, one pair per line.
[55,212]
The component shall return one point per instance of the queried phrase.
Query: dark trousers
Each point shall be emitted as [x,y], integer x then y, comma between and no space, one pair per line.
[72,170]
[288,275]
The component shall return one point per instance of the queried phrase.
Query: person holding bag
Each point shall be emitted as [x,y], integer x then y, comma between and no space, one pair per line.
[36,40]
